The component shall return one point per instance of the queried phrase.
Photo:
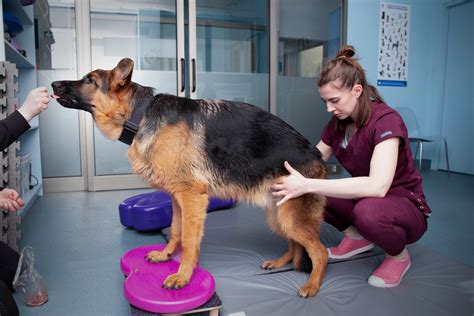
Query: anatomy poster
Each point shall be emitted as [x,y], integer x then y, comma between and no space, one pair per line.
[392,69]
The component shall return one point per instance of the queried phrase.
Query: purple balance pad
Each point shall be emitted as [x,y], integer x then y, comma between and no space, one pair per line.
[153,211]
[143,284]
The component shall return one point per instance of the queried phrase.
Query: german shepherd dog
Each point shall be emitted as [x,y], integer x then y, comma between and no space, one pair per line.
[194,149]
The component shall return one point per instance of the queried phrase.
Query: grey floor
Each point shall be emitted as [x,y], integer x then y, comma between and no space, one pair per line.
[78,241]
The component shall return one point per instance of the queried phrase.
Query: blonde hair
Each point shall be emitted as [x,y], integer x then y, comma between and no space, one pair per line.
[347,71]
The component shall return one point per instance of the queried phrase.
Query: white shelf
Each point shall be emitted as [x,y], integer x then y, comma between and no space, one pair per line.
[30,140]
[15,57]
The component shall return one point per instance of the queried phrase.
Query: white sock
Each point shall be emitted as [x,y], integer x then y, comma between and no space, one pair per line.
[352,233]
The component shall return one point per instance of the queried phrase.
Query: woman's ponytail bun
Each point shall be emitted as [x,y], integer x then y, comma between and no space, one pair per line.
[347,51]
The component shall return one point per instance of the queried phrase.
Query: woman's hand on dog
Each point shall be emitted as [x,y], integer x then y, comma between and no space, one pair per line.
[290,186]
[36,102]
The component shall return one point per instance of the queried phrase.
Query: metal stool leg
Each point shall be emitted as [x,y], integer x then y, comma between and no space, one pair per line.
[416,150]
[421,155]
[447,159]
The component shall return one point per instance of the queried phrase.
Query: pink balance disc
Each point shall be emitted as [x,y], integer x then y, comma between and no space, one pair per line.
[143,284]
[134,258]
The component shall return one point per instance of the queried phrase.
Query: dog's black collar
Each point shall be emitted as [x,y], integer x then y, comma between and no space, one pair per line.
[130,127]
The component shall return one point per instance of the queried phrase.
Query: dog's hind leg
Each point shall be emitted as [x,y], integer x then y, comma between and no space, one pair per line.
[298,256]
[319,258]
[283,260]
[300,219]
[175,237]
[193,203]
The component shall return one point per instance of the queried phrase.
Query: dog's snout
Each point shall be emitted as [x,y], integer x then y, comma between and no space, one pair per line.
[56,86]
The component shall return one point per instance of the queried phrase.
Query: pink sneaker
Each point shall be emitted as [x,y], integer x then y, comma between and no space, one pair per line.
[350,246]
[390,272]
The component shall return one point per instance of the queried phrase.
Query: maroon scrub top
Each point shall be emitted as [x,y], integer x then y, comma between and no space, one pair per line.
[384,123]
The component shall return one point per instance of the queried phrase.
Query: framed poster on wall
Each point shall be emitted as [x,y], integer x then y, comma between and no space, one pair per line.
[392,68]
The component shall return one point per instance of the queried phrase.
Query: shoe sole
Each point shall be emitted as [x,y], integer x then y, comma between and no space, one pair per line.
[385,285]
[351,253]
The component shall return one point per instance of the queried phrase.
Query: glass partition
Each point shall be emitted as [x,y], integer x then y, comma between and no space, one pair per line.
[56,60]
[309,33]
[232,40]
[232,62]
[146,33]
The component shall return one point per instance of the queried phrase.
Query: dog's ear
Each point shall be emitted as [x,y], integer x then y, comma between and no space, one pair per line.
[122,73]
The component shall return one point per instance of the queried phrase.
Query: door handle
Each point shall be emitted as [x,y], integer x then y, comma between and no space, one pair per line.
[183,73]
[193,64]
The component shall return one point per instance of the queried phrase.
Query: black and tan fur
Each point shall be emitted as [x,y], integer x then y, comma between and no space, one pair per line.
[194,149]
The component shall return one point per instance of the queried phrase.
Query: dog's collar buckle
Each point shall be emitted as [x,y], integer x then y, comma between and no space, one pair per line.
[128,133]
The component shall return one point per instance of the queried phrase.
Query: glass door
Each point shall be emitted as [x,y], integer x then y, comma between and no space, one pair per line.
[309,34]
[200,49]
[228,47]
[62,160]
[146,32]
[197,49]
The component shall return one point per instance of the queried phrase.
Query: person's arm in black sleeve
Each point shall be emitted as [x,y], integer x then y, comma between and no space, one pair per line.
[11,128]
[17,123]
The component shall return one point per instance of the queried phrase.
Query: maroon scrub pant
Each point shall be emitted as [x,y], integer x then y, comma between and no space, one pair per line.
[390,222]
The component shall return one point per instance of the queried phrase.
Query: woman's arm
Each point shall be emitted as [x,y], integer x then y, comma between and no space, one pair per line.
[11,128]
[325,150]
[17,123]
[382,170]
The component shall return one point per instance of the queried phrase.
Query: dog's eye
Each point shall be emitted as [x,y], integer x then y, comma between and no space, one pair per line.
[88,80]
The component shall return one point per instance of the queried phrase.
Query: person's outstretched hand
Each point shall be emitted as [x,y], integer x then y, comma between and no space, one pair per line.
[10,200]
[290,186]
[36,102]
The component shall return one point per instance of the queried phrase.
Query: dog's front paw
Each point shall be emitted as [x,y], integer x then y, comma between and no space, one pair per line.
[269,265]
[176,281]
[158,256]
[307,290]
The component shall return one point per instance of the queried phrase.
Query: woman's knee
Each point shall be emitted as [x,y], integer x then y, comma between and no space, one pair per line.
[338,212]
[368,214]
[377,219]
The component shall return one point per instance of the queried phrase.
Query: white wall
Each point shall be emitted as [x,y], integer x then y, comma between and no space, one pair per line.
[427,59]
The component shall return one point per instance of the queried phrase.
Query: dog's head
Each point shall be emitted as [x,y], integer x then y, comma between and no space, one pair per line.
[104,93]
